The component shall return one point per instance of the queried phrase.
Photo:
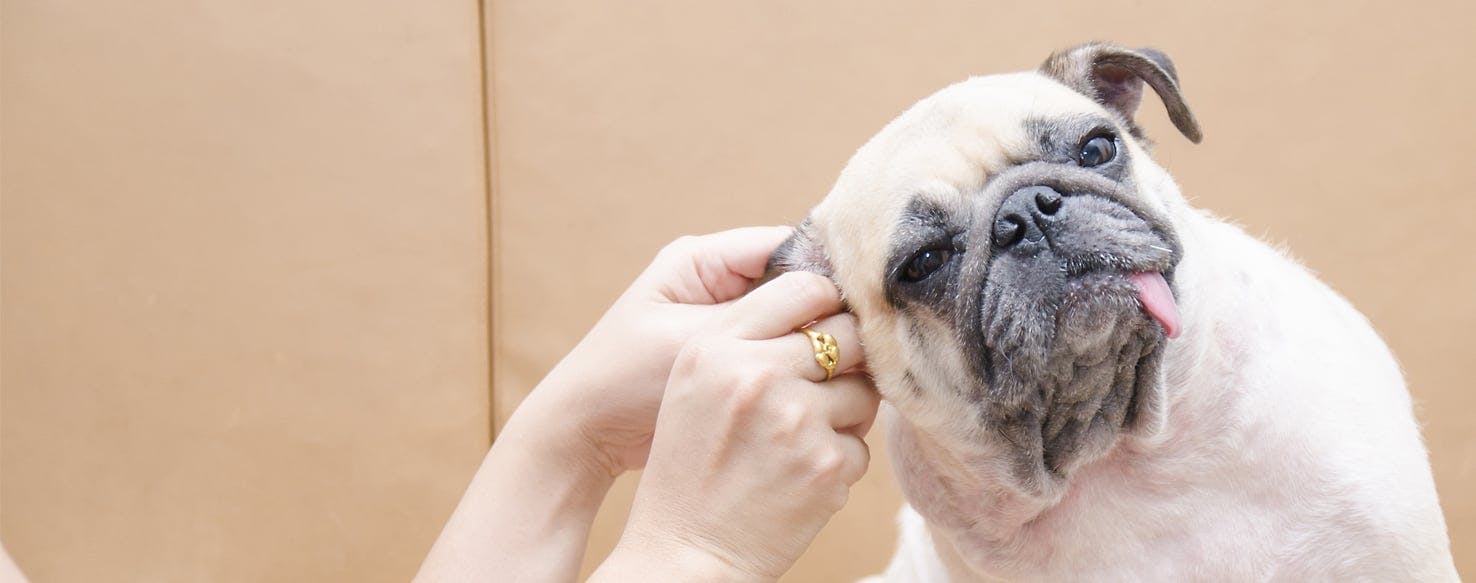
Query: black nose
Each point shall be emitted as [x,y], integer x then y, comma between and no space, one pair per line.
[1023,213]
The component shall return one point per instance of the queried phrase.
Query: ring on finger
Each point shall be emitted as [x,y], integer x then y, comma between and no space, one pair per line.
[827,352]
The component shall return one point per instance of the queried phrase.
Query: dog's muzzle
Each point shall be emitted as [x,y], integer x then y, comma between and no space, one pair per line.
[1037,219]
[1073,306]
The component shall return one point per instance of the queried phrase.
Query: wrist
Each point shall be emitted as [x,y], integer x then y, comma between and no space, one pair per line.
[587,416]
[551,430]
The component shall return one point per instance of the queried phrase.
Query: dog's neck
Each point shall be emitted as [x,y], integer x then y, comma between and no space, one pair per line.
[983,523]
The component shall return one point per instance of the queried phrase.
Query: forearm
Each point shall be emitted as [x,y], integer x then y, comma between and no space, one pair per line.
[648,560]
[527,514]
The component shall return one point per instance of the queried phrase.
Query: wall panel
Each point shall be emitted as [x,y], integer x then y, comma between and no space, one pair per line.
[244,323]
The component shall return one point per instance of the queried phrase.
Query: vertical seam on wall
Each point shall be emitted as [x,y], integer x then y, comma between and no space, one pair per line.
[489,165]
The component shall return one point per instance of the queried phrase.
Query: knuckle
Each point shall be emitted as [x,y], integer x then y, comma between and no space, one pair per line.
[828,464]
[790,420]
[839,498]
[858,469]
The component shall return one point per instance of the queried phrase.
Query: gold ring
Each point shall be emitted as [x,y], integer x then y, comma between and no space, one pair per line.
[827,352]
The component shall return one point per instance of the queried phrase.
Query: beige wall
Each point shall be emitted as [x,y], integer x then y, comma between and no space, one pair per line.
[1342,130]
[244,286]
[244,246]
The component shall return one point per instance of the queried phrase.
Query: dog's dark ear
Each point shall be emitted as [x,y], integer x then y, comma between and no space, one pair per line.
[1114,76]
[802,251]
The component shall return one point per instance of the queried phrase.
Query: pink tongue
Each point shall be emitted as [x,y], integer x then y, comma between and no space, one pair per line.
[1154,294]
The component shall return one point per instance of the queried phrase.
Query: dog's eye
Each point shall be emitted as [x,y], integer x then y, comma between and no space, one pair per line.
[924,263]
[1097,151]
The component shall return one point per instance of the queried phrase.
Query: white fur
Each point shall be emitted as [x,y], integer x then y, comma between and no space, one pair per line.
[1288,449]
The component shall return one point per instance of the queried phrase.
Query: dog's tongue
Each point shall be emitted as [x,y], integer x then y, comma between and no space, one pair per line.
[1154,294]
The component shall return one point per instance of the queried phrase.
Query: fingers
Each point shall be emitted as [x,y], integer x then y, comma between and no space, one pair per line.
[782,306]
[743,252]
[797,347]
[850,402]
[723,264]
[856,455]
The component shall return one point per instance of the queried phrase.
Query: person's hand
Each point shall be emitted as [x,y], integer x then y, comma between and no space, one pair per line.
[609,387]
[754,450]
[527,513]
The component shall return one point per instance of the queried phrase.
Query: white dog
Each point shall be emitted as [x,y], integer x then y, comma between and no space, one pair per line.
[1087,378]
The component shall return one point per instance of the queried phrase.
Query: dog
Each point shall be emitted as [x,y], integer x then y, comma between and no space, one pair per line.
[1086,378]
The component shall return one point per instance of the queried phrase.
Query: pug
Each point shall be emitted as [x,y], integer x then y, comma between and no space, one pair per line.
[1085,377]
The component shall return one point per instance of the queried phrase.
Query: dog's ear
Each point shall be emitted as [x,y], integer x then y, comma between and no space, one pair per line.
[1114,76]
[802,251]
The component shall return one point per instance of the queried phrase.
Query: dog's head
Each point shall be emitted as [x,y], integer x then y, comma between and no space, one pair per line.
[1007,247]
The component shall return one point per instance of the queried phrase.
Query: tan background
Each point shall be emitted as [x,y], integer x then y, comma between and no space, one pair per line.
[244,246]
[244,286]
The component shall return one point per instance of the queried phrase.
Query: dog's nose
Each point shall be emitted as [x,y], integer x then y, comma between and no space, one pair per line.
[1023,215]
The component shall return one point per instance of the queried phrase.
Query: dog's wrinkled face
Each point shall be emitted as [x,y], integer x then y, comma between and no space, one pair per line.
[1007,249]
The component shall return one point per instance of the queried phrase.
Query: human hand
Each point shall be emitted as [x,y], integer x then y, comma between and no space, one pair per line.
[610,385]
[754,451]
[527,513]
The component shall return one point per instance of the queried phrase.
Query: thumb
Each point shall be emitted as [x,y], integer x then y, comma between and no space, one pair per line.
[714,268]
[779,307]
